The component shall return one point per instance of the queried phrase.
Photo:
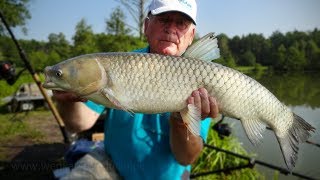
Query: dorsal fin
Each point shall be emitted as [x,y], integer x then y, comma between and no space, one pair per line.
[206,48]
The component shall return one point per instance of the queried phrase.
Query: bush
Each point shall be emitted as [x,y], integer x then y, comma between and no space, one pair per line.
[211,160]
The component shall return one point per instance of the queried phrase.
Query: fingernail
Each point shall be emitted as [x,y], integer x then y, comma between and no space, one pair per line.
[195,93]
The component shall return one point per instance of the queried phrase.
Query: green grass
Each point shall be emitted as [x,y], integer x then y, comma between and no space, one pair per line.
[211,160]
[12,126]
[246,69]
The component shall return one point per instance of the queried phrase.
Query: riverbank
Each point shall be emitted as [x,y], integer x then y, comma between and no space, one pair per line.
[31,145]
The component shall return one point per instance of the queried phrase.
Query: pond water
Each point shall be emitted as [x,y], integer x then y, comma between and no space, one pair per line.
[301,92]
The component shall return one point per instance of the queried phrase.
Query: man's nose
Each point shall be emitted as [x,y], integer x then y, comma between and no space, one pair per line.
[170,26]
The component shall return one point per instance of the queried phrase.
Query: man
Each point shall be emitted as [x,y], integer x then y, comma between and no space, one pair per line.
[145,146]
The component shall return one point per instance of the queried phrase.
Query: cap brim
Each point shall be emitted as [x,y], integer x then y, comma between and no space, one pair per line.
[164,10]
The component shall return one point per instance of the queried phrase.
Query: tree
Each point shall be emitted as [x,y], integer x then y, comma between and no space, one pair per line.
[235,46]
[277,39]
[226,54]
[313,55]
[258,45]
[116,25]
[53,58]
[113,43]
[15,12]
[8,49]
[295,58]
[279,57]
[315,35]
[248,59]
[59,44]
[84,41]
[39,60]
[137,9]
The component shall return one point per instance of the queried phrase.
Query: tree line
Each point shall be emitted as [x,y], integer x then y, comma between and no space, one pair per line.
[294,50]
[291,51]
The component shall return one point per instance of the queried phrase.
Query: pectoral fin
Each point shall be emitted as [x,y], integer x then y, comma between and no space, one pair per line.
[191,116]
[253,129]
[116,99]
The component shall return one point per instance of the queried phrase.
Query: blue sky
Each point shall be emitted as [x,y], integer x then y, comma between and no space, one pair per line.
[232,17]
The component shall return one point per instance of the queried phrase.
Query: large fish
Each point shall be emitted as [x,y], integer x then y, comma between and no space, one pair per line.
[153,83]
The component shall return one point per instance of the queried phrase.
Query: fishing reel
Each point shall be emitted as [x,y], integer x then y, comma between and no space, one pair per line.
[223,129]
[8,72]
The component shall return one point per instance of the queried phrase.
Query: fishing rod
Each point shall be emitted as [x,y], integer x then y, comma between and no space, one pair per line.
[37,80]
[251,163]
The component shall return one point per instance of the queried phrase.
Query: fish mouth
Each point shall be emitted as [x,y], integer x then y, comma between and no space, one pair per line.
[51,85]
[48,84]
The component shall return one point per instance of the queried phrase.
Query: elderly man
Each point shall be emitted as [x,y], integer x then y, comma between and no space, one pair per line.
[145,146]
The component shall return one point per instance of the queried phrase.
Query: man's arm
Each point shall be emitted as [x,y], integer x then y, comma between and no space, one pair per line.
[75,114]
[186,150]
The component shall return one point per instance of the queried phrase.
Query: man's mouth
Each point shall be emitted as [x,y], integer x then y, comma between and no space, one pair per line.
[169,41]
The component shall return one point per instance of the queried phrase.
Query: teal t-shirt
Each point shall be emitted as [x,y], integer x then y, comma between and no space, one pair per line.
[139,145]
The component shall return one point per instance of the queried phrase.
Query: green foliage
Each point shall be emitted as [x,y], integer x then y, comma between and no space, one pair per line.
[248,59]
[7,49]
[12,126]
[122,43]
[227,58]
[211,160]
[295,58]
[116,24]
[7,90]
[84,39]
[280,56]
[15,12]
[38,60]
[59,45]
[295,50]
[291,51]
[313,54]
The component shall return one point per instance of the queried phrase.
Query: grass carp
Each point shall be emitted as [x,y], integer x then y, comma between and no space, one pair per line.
[153,83]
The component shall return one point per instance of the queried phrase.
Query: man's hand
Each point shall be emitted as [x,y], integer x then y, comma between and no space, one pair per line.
[207,104]
[187,147]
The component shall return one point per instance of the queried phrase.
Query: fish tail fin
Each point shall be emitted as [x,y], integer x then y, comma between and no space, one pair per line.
[191,117]
[298,132]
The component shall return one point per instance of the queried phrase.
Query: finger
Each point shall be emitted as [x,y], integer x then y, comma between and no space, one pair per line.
[190,100]
[214,109]
[197,99]
[205,105]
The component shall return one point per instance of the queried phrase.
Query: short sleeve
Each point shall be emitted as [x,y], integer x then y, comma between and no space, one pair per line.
[205,126]
[95,107]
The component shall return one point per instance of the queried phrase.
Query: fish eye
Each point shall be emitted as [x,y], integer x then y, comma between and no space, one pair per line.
[59,73]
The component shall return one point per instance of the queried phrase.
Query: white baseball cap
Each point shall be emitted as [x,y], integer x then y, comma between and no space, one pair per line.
[188,7]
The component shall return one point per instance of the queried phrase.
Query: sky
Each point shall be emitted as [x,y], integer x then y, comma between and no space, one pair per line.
[231,17]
